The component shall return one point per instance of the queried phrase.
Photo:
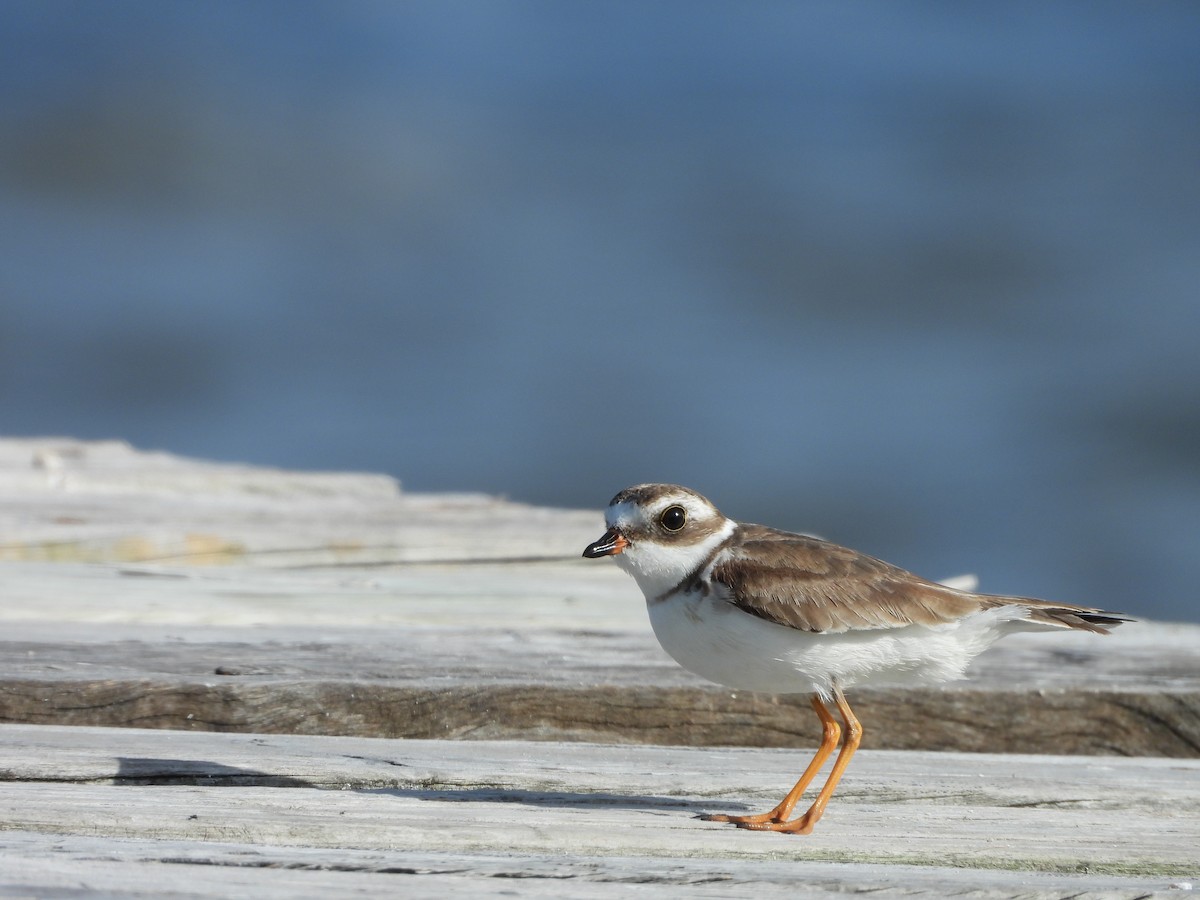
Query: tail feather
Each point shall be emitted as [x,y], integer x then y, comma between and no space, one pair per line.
[1066,615]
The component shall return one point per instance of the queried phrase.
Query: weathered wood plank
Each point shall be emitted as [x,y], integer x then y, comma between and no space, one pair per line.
[1101,722]
[42,865]
[327,617]
[590,813]
[103,501]
[335,604]
[1136,692]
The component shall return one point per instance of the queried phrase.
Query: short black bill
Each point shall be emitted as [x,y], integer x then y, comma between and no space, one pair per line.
[611,543]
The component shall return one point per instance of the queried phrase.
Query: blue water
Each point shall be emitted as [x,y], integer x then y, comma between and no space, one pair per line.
[923,278]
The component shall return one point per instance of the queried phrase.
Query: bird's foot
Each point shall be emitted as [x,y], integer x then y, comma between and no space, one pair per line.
[766,818]
[801,825]
[775,820]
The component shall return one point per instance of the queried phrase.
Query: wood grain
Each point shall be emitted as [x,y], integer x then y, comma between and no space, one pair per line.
[328,686]
[572,817]
[355,608]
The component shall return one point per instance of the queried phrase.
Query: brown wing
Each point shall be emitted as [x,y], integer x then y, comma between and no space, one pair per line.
[812,585]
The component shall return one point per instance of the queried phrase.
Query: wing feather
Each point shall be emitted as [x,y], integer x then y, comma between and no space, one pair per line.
[812,585]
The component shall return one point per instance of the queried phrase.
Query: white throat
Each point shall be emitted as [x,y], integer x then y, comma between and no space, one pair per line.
[659,567]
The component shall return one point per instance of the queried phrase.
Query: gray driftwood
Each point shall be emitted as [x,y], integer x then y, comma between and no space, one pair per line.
[147,591]
[297,815]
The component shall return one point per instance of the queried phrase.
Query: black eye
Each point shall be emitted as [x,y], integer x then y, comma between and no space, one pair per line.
[672,518]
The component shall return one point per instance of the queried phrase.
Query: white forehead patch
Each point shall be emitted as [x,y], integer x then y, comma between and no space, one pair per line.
[623,514]
[638,517]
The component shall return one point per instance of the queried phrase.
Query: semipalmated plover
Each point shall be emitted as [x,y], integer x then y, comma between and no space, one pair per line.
[759,609]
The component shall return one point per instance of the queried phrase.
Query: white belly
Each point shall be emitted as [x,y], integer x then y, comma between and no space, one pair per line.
[721,643]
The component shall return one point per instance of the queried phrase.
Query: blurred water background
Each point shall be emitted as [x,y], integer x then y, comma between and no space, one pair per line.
[923,278]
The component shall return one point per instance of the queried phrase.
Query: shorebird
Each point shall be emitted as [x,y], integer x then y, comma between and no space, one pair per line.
[759,609]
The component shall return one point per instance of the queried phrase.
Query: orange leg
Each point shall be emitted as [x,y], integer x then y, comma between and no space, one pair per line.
[804,824]
[830,734]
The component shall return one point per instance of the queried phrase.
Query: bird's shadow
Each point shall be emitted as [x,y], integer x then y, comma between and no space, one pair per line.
[551,799]
[144,771]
